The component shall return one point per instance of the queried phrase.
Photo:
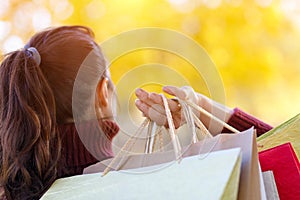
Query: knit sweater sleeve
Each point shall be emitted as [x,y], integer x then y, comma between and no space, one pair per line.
[242,121]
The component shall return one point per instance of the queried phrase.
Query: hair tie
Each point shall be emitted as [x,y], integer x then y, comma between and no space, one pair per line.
[35,54]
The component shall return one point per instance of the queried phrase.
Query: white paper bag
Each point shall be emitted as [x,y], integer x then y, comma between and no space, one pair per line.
[214,177]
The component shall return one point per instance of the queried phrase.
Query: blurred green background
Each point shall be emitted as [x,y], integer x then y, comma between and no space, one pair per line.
[255,44]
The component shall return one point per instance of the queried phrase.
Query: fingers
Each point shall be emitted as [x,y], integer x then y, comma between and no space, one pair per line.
[173,103]
[152,112]
[142,94]
[150,99]
[158,117]
[151,105]
[144,108]
[175,91]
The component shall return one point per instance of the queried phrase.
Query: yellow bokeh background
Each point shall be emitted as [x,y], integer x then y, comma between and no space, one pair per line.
[255,44]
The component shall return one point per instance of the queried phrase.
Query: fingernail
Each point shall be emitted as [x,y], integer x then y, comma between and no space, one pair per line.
[153,95]
[138,91]
[138,102]
[167,89]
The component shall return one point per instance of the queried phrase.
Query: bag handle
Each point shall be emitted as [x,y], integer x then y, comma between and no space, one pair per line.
[126,147]
[203,111]
[174,137]
[191,118]
[149,143]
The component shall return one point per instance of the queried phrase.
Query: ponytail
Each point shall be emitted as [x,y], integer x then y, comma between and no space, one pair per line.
[29,142]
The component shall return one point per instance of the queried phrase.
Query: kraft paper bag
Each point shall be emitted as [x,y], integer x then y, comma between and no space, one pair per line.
[250,183]
[289,131]
[214,177]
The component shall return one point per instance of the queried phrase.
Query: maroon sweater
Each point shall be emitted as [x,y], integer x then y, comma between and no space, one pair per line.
[75,157]
[243,121]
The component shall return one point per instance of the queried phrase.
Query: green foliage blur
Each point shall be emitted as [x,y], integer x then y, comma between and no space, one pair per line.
[255,44]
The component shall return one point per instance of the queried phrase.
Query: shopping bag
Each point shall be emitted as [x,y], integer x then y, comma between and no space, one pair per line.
[283,162]
[250,181]
[214,177]
[270,185]
[289,131]
[250,184]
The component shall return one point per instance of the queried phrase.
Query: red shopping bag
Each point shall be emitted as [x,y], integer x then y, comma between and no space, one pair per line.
[284,163]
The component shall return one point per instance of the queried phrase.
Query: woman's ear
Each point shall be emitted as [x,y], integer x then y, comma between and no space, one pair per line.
[102,92]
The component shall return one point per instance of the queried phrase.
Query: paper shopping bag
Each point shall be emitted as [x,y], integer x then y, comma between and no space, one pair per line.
[270,185]
[283,162]
[192,178]
[289,131]
[250,184]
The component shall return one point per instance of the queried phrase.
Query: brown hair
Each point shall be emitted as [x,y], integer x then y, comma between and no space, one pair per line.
[33,100]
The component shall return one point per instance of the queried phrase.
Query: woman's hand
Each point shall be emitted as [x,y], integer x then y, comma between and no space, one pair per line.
[151,105]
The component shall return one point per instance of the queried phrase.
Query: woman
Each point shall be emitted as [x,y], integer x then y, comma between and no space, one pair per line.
[151,105]
[39,141]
